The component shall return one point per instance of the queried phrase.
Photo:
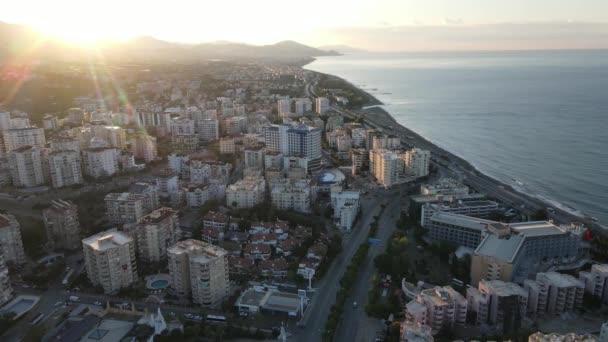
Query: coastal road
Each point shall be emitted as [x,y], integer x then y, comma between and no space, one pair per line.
[317,311]
[355,325]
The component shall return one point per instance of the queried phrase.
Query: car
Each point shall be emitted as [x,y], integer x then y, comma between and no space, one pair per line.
[58,303]
[172,314]
[355,305]
[197,318]
[188,315]
[243,314]
[98,303]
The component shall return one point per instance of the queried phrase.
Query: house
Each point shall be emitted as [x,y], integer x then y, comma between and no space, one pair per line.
[256,251]
[212,235]
[318,251]
[261,228]
[267,239]
[286,247]
[215,220]
[275,268]
[239,237]
[240,266]
[306,265]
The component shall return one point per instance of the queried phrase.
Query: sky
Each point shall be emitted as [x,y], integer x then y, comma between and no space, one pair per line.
[375,25]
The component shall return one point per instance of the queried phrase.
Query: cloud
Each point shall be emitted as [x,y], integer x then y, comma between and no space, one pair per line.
[502,36]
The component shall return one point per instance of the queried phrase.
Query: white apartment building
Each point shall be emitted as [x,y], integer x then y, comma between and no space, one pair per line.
[346,205]
[5,121]
[62,225]
[227,145]
[50,122]
[284,107]
[199,269]
[358,136]
[443,306]
[182,126]
[20,137]
[65,143]
[246,193]
[64,168]
[27,167]
[197,196]
[291,196]
[235,125]
[596,281]
[125,207]
[554,293]
[143,146]
[321,105]
[155,233]
[166,183]
[506,303]
[386,166]
[6,290]
[209,130]
[302,106]
[110,260]
[275,138]
[100,161]
[11,244]
[254,157]
[417,162]
[150,193]
[412,332]
[204,172]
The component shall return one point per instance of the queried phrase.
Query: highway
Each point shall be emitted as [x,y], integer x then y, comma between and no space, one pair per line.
[317,311]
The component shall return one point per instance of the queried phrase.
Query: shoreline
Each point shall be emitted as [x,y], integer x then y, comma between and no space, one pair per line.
[381,118]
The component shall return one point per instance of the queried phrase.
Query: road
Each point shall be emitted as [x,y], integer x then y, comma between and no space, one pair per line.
[355,324]
[317,311]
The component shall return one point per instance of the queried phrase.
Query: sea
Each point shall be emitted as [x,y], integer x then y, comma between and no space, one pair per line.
[536,120]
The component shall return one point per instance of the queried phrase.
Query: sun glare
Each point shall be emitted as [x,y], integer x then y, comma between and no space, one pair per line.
[82,33]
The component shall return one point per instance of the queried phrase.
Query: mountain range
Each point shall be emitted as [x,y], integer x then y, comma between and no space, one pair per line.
[18,41]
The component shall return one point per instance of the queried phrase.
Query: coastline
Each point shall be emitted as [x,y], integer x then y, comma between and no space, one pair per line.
[378,116]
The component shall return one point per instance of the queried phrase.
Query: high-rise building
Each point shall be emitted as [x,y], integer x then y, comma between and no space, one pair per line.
[284,107]
[100,161]
[182,126]
[110,260]
[20,137]
[50,122]
[125,207]
[345,204]
[476,208]
[302,106]
[386,166]
[27,166]
[553,293]
[199,269]
[64,168]
[291,196]
[62,225]
[506,304]
[11,244]
[155,233]
[596,281]
[438,307]
[143,146]
[417,162]
[254,157]
[321,105]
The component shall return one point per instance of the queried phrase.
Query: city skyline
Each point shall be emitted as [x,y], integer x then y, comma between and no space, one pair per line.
[387,25]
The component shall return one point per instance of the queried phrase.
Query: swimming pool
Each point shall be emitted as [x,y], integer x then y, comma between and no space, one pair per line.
[159,284]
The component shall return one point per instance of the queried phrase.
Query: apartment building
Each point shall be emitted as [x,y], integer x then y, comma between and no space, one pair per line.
[346,206]
[110,260]
[64,168]
[143,146]
[596,281]
[100,161]
[20,137]
[254,157]
[201,270]
[62,225]
[125,207]
[417,162]
[506,304]
[197,196]
[554,293]
[209,129]
[11,244]
[291,196]
[150,193]
[321,105]
[155,233]
[439,307]
[386,166]
[208,171]
[246,193]
[6,290]
[28,166]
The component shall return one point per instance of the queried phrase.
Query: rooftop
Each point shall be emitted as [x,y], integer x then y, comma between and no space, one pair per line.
[107,240]
[461,220]
[198,250]
[537,228]
[503,247]
[559,279]
[158,215]
[502,288]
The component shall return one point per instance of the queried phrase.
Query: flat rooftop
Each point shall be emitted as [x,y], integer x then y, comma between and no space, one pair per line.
[106,240]
[281,301]
[461,220]
[504,289]
[503,247]
[560,280]
[537,228]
